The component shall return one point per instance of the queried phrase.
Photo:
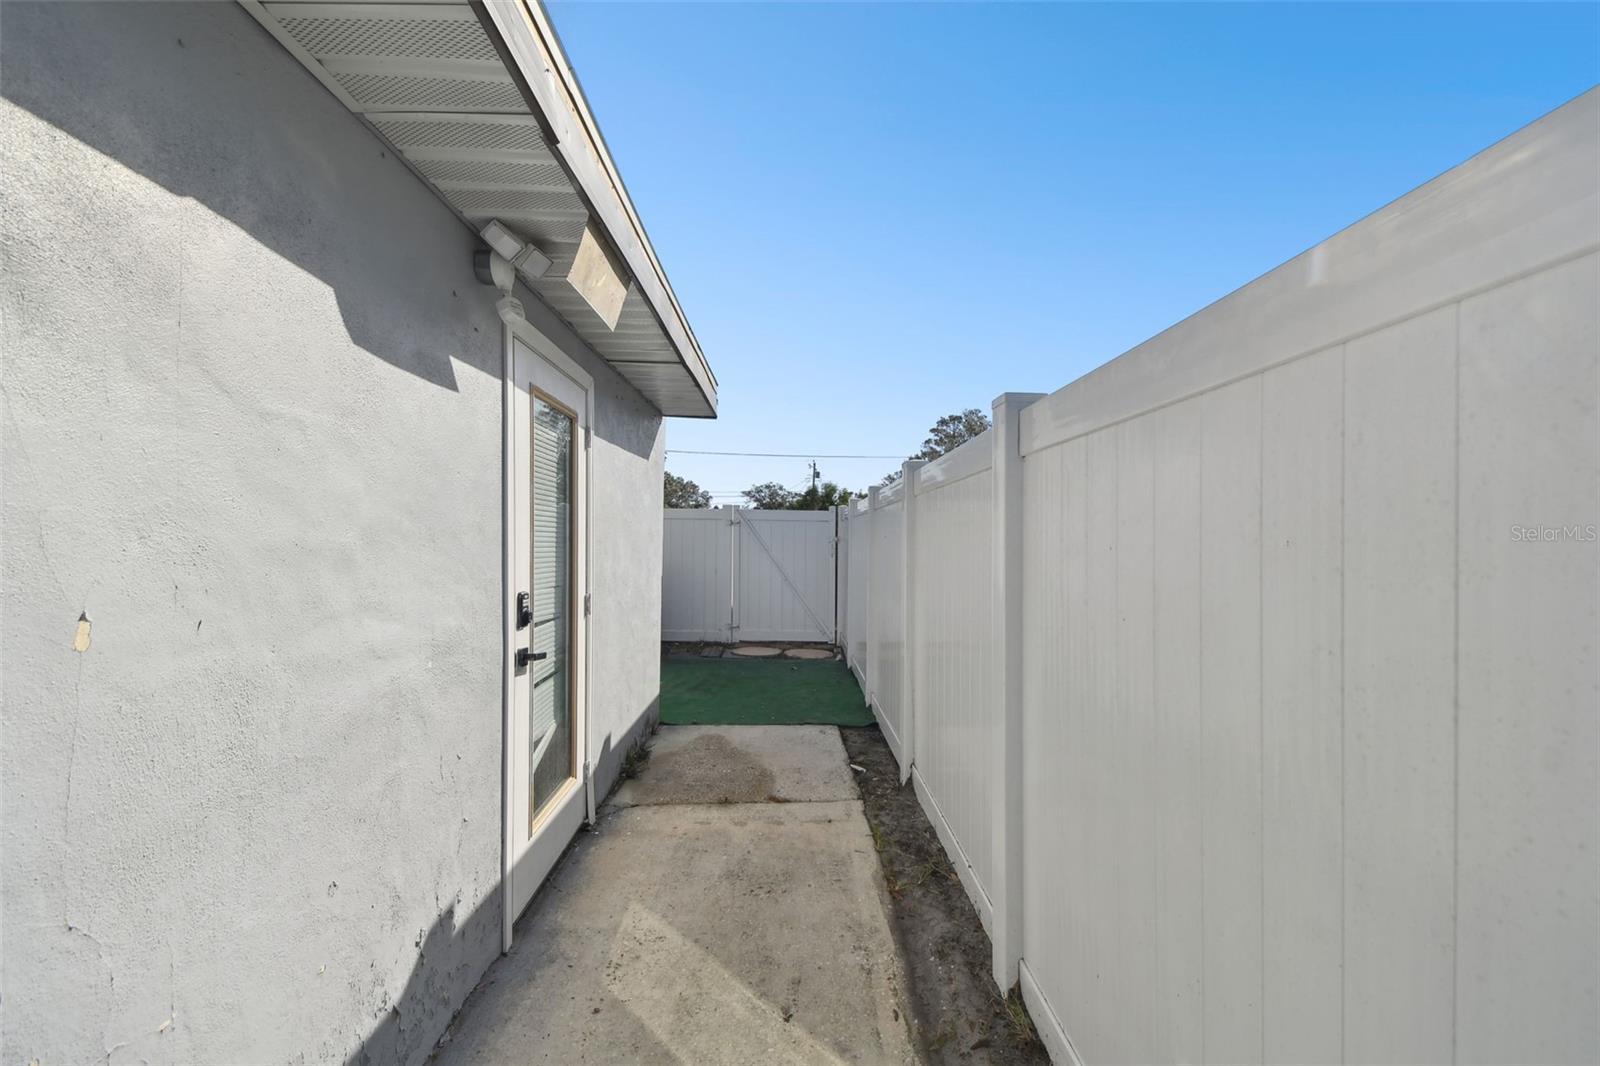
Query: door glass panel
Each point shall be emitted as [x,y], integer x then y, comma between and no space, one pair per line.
[550,708]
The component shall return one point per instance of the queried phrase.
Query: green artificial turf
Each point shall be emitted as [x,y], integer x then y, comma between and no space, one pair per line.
[730,691]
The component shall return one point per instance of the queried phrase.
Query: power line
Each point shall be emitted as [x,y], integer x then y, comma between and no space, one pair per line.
[780,455]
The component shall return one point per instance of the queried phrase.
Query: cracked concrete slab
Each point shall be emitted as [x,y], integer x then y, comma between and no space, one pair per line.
[705,932]
[742,764]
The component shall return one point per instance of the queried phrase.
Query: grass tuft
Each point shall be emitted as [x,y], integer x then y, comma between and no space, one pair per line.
[1016,1016]
[633,762]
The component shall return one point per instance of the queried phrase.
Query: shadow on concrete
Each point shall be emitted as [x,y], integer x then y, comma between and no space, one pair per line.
[705,929]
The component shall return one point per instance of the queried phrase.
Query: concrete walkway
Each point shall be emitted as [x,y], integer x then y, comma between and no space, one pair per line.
[729,909]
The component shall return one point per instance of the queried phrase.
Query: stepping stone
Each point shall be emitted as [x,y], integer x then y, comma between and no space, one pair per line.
[808,653]
[756,651]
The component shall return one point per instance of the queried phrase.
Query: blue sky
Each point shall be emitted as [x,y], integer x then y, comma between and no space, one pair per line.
[875,214]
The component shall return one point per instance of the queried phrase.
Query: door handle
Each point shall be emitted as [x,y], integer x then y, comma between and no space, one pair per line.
[528,655]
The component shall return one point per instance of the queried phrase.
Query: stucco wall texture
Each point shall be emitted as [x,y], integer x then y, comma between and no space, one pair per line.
[252,434]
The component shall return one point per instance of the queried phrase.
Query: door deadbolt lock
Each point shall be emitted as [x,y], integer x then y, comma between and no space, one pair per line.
[528,655]
[524,610]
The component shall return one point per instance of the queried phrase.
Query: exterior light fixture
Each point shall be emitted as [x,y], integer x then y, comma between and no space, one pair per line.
[521,254]
[499,264]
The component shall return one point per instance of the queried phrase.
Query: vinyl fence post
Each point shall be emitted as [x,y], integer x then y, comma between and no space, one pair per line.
[841,581]
[908,604]
[1008,739]
[869,669]
[733,576]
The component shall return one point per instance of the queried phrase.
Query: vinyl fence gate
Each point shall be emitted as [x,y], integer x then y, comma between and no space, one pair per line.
[734,574]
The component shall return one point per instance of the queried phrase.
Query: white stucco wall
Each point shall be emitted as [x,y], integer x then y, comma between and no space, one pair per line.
[252,432]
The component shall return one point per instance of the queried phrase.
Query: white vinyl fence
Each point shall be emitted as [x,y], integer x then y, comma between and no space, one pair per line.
[1251,680]
[737,574]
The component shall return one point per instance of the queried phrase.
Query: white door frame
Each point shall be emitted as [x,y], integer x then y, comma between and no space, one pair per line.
[525,863]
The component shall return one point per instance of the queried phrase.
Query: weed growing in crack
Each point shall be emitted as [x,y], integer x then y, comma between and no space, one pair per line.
[633,762]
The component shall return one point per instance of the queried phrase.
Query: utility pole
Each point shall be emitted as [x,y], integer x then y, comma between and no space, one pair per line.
[814,473]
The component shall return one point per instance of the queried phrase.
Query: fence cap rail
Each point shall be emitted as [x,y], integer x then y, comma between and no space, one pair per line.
[973,457]
[1528,202]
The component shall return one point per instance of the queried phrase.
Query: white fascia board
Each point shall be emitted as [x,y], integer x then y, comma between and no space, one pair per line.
[529,37]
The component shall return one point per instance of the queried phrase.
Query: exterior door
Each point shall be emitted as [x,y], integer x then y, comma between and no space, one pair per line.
[546,767]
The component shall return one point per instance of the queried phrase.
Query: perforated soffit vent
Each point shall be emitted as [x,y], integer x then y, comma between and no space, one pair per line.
[430,81]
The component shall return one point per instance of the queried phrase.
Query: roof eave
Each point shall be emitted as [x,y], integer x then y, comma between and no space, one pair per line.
[529,40]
